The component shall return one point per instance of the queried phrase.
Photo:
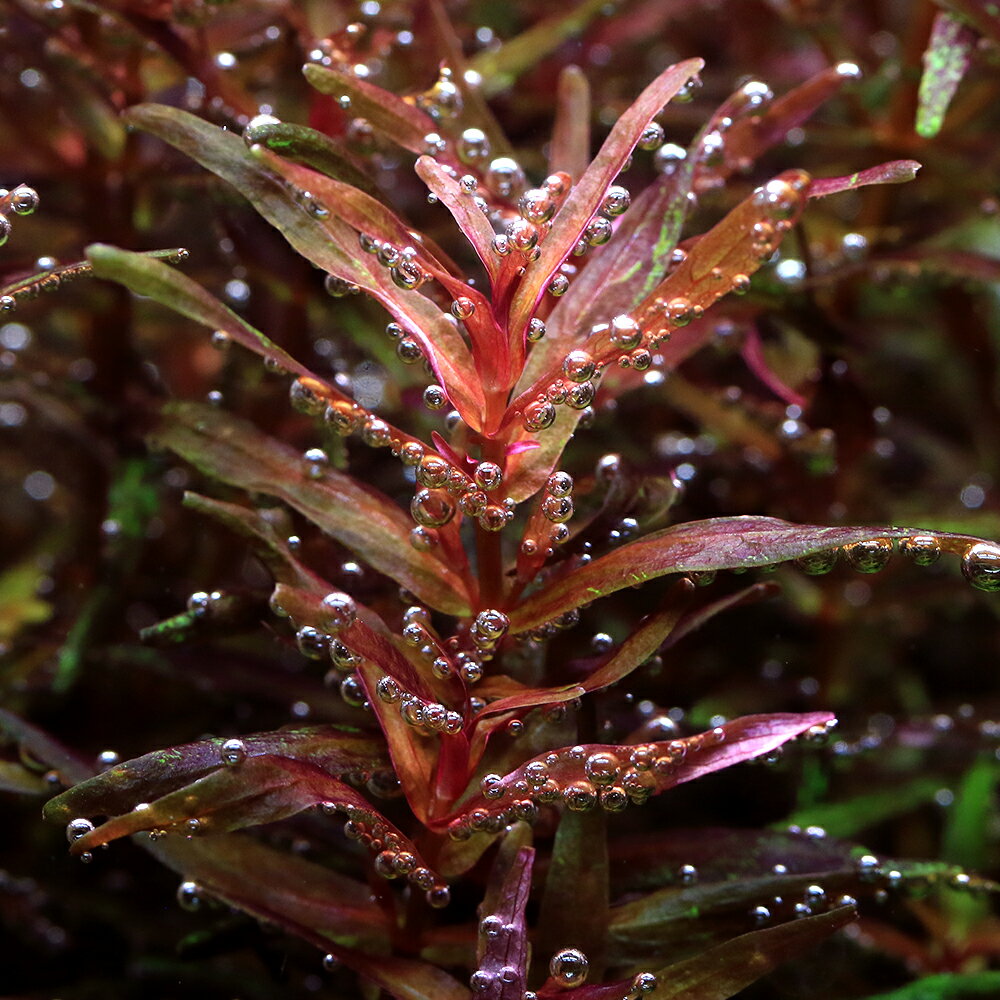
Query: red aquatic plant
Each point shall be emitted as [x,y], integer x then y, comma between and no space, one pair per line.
[576,291]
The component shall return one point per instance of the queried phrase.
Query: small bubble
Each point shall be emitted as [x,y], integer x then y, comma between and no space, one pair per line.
[189,896]
[233,752]
[569,967]
[981,566]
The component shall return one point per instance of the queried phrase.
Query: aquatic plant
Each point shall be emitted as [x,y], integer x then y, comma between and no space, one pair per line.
[436,568]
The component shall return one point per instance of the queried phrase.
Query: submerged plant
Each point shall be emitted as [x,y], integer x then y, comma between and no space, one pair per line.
[479,746]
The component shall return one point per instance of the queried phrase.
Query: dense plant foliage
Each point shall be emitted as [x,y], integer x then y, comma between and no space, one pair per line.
[554,408]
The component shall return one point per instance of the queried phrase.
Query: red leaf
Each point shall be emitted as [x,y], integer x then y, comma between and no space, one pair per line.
[357,515]
[649,769]
[570,148]
[893,172]
[398,120]
[587,194]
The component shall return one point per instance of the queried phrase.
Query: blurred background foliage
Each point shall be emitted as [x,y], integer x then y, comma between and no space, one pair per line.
[881,316]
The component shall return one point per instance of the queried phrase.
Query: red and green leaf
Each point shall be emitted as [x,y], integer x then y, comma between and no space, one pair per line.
[366,521]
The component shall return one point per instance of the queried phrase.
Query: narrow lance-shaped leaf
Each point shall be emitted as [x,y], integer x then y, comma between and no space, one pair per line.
[892,172]
[570,149]
[313,149]
[318,907]
[396,119]
[461,204]
[229,866]
[574,906]
[321,237]
[946,60]
[503,930]
[336,750]
[722,971]
[610,775]
[250,792]
[697,546]
[358,516]
[587,194]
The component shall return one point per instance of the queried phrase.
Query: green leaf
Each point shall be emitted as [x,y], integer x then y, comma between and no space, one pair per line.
[848,819]
[946,60]
[357,515]
[20,605]
[947,986]
[575,901]
[724,970]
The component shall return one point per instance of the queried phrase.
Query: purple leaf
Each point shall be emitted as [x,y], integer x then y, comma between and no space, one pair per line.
[357,515]
[308,901]
[161,772]
[893,172]
[946,60]
[503,930]
[636,772]
[699,546]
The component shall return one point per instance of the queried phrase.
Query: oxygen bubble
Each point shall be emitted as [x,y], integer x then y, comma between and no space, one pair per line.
[410,453]
[491,624]
[408,351]
[462,308]
[557,509]
[432,508]
[924,550]
[558,286]
[981,566]
[77,828]
[539,415]
[339,287]
[536,206]
[569,967]
[435,398]
[688,874]
[473,146]
[388,690]
[189,896]
[443,99]
[645,982]
[488,475]
[579,796]
[375,432]
[24,200]
[651,137]
[339,611]
[433,471]
[480,981]
[870,555]
[578,366]
[304,398]
[504,176]
[560,484]
[316,460]
[343,417]
[602,768]
[424,539]
[818,563]
[330,963]
[233,752]
[438,896]
[680,311]
[434,144]
[352,691]
[536,330]
[599,230]
[580,397]
[616,201]
[311,642]
[473,503]
[522,235]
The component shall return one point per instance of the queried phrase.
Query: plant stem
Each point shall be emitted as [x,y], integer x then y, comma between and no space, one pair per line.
[489,552]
